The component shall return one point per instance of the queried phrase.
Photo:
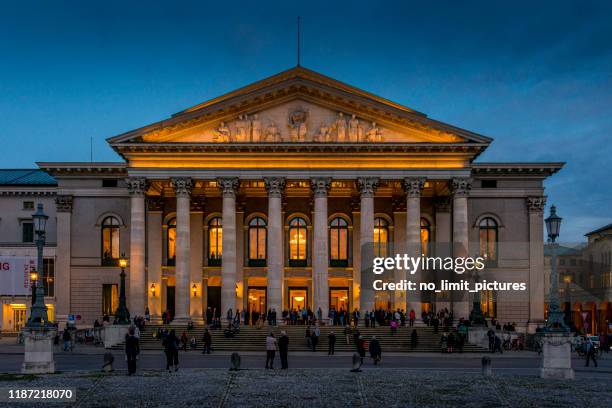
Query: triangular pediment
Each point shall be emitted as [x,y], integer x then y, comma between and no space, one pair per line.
[298,106]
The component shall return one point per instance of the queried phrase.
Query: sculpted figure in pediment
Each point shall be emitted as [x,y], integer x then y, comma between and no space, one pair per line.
[255,128]
[272,134]
[374,134]
[222,134]
[340,126]
[354,129]
[242,128]
[323,135]
[297,125]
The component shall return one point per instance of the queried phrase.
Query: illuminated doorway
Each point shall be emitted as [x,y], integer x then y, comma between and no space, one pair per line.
[382,300]
[298,298]
[339,299]
[19,316]
[257,299]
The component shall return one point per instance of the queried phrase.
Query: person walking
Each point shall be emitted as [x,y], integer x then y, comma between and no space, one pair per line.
[347,334]
[207,340]
[171,346]
[331,343]
[283,349]
[316,333]
[590,351]
[67,338]
[414,339]
[412,317]
[132,349]
[270,350]
[360,343]
[375,350]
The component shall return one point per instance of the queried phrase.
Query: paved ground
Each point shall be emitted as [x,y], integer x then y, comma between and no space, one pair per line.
[332,387]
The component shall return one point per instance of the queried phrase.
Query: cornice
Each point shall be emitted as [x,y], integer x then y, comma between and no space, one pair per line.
[84,168]
[544,169]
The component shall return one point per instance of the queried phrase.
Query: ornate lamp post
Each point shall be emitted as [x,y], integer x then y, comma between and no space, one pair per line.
[122,315]
[476,316]
[555,315]
[568,302]
[33,279]
[38,314]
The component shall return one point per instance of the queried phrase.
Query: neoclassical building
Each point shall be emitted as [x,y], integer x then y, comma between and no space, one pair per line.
[277,195]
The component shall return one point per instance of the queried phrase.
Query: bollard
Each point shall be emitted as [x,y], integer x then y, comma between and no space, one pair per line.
[356,363]
[235,362]
[486,367]
[109,359]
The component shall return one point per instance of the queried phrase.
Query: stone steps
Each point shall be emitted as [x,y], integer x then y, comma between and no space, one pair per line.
[251,338]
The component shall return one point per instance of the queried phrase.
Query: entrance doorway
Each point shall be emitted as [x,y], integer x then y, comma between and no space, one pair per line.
[298,298]
[170,300]
[339,299]
[19,317]
[257,299]
[214,300]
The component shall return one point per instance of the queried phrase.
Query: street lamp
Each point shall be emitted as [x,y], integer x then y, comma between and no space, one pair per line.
[555,315]
[39,316]
[476,316]
[33,279]
[122,315]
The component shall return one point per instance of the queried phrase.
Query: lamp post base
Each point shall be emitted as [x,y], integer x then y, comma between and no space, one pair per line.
[38,351]
[557,356]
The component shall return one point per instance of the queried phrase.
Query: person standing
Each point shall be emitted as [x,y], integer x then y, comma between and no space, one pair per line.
[207,340]
[67,338]
[347,334]
[316,333]
[331,342]
[375,350]
[283,349]
[171,347]
[132,349]
[360,343]
[590,351]
[412,317]
[414,338]
[270,350]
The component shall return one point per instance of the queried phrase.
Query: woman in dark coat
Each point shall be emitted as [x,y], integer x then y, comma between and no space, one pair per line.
[171,347]
[375,350]
[132,349]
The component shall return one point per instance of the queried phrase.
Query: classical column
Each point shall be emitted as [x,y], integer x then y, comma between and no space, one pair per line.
[460,188]
[229,188]
[413,187]
[399,247]
[155,206]
[356,298]
[275,187]
[137,187]
[535,206]
[182,189]
[196,258]
[367,187]
[444,241]
[320,256]
[62,269]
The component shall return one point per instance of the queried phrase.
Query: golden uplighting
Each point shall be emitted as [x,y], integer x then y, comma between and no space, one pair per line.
[33,276]
[123,262]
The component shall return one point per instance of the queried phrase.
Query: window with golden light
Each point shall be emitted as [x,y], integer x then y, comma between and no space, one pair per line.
[488,230]
[171,242]
[338,242]
[381,237]
[298,239]
[110,240]
[215,241]
[425,236]
[257,241]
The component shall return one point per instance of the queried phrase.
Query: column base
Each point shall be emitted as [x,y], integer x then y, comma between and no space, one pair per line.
[38,352]
[557,357]
[180,320]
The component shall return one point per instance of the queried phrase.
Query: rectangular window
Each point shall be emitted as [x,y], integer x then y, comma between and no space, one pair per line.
[27,229]
[49,276]
[109,183]
[488,183]
[110,298]
[28,205]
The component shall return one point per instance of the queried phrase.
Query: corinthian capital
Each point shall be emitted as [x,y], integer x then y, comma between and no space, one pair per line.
[137,186]
[229,186]
[320,186]
[461,186]
[413,186]
[63,203]
[182,186]
[536,204]
[367,186]
[275,186]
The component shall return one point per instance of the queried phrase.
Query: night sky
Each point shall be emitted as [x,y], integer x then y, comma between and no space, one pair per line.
[535,76]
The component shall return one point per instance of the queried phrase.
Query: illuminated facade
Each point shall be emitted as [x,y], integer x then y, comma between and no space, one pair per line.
[273,196]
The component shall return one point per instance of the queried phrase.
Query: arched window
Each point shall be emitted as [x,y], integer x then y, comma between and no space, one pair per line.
[488,240]
[257,242]
[381,237]
[171,242]
[338,242]
[110,241]
[298,241]
[425,236]
[215,240]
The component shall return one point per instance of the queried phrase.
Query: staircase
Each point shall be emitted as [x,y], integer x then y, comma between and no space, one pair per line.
[251,338]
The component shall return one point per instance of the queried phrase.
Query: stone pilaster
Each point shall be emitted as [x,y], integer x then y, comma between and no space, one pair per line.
[137,188]
[535,207]
[412,187]
[229,188]
[320,256]
[275,187]
[64,247]
[460,188]
[182,189]
[367,187]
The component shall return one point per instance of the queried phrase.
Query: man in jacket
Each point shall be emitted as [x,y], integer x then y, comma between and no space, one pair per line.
[283,348]
[132,349]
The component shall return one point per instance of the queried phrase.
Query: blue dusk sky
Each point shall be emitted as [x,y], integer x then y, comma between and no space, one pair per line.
[535,76]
